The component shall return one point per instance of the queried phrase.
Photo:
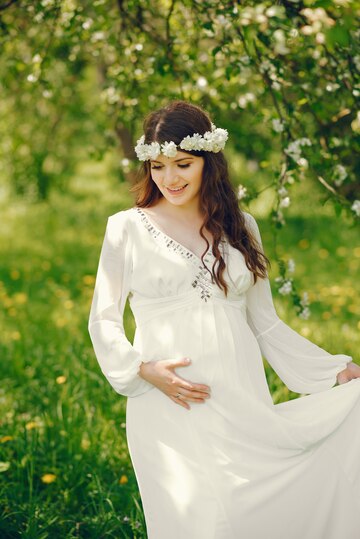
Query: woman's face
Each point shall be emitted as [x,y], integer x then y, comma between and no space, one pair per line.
[171,174]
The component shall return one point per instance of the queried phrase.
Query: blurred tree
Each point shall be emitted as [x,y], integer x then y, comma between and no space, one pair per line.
[283,78]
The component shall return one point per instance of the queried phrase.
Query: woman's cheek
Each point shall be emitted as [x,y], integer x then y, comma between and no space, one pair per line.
[156,180]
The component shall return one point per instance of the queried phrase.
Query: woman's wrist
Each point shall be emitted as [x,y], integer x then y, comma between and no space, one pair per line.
[143,367]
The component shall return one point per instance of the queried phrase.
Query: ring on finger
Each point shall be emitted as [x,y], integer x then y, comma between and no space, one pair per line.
[178,395]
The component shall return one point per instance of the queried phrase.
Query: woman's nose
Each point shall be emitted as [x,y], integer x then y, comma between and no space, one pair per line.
[169,176]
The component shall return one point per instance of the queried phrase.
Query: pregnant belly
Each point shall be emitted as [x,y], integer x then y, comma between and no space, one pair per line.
[184,333]
[223,350]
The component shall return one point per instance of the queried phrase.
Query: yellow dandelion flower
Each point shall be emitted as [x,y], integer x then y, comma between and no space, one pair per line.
[12,311]
[335,290]
[15,335]
[46,265]
[350,291]
[89,279]
[356,252]
[304,243]
[85,443]
[68,304]
[341,251]
[4,439]
[20,297]
[8,302]
[305,331]
[31,425]
[48,478]
[61,379]
[14,274]
[123,480]
[326,315]
[61,322]
[323,253]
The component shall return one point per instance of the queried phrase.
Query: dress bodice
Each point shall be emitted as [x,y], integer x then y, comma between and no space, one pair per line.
[181,273]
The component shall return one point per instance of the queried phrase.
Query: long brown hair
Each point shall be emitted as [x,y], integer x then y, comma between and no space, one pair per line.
[218,200]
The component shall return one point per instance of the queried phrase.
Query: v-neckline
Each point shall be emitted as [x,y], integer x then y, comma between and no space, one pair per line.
[179,245]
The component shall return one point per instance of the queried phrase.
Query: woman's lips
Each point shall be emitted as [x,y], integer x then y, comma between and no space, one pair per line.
[177,191]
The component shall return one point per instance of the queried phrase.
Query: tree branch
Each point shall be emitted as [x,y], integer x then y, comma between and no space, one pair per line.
[5,6]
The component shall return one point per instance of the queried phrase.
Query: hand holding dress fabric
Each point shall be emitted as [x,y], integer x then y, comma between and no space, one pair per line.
[302,365]
[352,371]
[118,360]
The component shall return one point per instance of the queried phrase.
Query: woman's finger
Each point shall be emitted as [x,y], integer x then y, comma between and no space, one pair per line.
[191,386]
[180,402]
[191,395]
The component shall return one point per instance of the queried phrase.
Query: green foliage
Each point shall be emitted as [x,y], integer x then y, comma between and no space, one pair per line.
[79,77]
[75,72]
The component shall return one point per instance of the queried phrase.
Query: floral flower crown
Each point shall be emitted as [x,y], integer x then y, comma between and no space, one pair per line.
[211,141]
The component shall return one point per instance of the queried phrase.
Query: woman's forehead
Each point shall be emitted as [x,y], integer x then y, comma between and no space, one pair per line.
[180,156]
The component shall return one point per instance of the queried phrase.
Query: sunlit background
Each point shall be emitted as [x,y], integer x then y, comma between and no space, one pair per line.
[78,78]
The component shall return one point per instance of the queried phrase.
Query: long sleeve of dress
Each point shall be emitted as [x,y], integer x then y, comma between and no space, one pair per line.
[303,366]
[117,358]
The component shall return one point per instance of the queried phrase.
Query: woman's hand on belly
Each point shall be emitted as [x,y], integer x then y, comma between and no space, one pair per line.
[161,374]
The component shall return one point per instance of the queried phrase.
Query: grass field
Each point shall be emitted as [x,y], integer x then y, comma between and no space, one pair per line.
[65,470]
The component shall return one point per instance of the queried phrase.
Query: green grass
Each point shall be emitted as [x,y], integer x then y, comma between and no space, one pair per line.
[60,419]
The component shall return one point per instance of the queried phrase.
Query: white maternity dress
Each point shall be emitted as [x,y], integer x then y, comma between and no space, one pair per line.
[237,466]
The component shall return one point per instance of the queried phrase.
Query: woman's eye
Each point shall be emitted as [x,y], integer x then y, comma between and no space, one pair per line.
[154,167]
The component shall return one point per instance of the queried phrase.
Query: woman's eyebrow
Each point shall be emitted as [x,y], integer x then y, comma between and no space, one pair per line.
[176,160]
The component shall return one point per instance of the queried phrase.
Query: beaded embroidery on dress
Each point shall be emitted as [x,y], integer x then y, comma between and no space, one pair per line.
[203,279]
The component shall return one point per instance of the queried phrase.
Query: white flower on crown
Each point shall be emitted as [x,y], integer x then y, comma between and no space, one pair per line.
[211,141]
[169,149]
[194,142]
[146,151]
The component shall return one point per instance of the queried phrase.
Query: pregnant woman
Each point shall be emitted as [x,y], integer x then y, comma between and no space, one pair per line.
[214,457]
